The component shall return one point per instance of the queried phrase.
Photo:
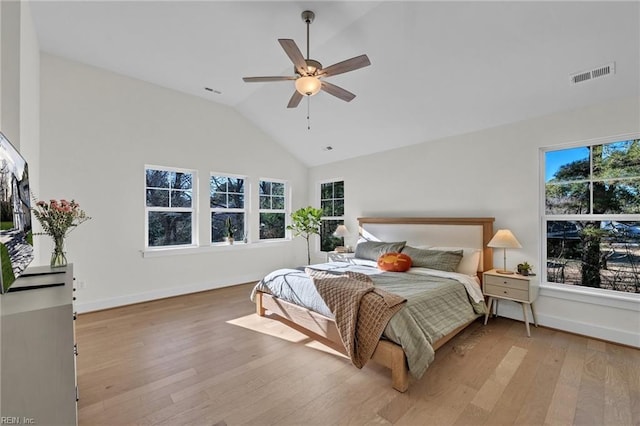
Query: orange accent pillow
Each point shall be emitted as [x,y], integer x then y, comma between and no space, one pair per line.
[394,262]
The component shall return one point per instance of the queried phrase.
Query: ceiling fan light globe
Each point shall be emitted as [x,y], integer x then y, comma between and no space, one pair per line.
[308,86]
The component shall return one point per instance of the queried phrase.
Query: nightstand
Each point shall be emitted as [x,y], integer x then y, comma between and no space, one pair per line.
[518,288]
[334,256]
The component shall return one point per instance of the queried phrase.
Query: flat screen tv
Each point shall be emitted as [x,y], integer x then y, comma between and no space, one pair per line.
[16,236]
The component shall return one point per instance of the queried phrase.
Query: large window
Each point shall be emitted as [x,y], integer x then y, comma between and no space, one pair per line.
[273,209]
[170,212]
[227,203]
[592,215]
[332,205]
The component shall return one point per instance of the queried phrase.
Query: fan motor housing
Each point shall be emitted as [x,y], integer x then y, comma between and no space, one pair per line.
[313,67]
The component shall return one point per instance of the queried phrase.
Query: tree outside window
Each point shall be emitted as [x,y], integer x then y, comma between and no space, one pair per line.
[169,207]
[227,201]
[273,209]
[592,215]
[332,205]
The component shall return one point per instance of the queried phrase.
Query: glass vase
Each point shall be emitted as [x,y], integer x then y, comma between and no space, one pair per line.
[58,257]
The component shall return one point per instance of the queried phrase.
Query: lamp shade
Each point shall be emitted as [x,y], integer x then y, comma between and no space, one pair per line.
[341,231]
[504,239]
[308,86]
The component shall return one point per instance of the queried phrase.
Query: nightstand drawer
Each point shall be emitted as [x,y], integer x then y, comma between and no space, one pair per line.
[504,291]
[514,283]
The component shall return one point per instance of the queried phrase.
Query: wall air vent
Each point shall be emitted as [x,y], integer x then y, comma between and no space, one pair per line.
[602,71]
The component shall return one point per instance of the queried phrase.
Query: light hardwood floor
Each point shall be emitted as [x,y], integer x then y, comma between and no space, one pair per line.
[207,359]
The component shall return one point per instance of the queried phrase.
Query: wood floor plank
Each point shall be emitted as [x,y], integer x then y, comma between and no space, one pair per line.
[493,388]
[565,396]
[207,359]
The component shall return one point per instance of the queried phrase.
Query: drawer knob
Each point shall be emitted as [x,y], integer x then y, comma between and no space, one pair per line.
[505,291]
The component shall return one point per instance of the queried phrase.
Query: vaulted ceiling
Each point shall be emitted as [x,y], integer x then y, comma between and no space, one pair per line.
[437,68]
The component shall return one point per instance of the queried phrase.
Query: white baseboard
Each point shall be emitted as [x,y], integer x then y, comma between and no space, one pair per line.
[114,302]
[594,330]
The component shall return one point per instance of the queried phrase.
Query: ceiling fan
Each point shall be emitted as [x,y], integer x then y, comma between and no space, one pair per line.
[309,72]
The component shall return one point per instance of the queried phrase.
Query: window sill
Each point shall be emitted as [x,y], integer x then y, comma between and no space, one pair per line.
[176,251]
[610,298]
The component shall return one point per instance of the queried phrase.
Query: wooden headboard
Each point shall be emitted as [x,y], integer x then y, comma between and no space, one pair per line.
[474,232]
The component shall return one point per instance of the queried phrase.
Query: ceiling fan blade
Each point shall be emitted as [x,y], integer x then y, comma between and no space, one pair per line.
[295,100]
[338,92]
[263,79]
[346,66]
[292,51]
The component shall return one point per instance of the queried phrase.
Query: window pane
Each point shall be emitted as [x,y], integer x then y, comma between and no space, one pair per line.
[218,184]
[169,228]
[617,197]
[219,200]
[277,188]
[567,165]
[265,202]
[338,190]
[219,228]
[618,159]
[338,208]
[277,203]
[157,198]
[328,242]
[236,201]
[272,225]
[327,207]
[157,178]
[326,190]
[180,198]
[599,254]
[265,187]
[569,198]
[181,180]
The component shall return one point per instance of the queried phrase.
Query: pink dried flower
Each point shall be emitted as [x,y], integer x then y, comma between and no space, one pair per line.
[58,218]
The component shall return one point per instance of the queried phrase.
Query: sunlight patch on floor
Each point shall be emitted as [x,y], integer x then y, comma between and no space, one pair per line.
[266,326]
[277,329]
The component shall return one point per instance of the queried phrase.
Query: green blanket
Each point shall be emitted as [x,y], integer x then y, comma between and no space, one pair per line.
[436,306]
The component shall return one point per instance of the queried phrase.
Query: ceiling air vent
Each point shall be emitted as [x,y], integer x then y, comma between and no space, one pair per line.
[602,71]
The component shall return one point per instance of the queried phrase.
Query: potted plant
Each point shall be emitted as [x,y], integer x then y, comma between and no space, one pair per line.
[524,268]
[229,230]
[306,222]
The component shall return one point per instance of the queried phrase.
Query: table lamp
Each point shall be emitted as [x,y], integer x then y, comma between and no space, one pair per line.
[504,239]
[341,231]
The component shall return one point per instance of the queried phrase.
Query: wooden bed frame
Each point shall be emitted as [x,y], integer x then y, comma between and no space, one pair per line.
[387,353]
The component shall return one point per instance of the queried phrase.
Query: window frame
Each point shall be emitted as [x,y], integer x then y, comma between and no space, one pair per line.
[330,218]
[588,217]
[193,209]
[244,210]
[286,210]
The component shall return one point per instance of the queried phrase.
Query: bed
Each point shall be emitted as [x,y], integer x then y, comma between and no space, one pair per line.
[285,293]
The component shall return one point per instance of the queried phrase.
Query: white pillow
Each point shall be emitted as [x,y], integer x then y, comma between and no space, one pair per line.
[470,259]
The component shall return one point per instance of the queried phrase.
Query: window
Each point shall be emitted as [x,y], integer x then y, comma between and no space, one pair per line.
[227,203]
[592,215]
[170,213]
[273,209]
[332,205]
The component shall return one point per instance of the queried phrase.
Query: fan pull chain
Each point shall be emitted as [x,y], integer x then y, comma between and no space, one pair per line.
[308,112]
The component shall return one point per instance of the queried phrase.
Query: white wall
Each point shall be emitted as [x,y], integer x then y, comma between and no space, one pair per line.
[98,130]
[493,172]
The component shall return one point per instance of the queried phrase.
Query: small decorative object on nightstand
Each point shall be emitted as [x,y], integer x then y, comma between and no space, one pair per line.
[518,288]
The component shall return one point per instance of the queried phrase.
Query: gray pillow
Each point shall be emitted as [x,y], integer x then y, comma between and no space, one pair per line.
[434,259]
[372,250]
